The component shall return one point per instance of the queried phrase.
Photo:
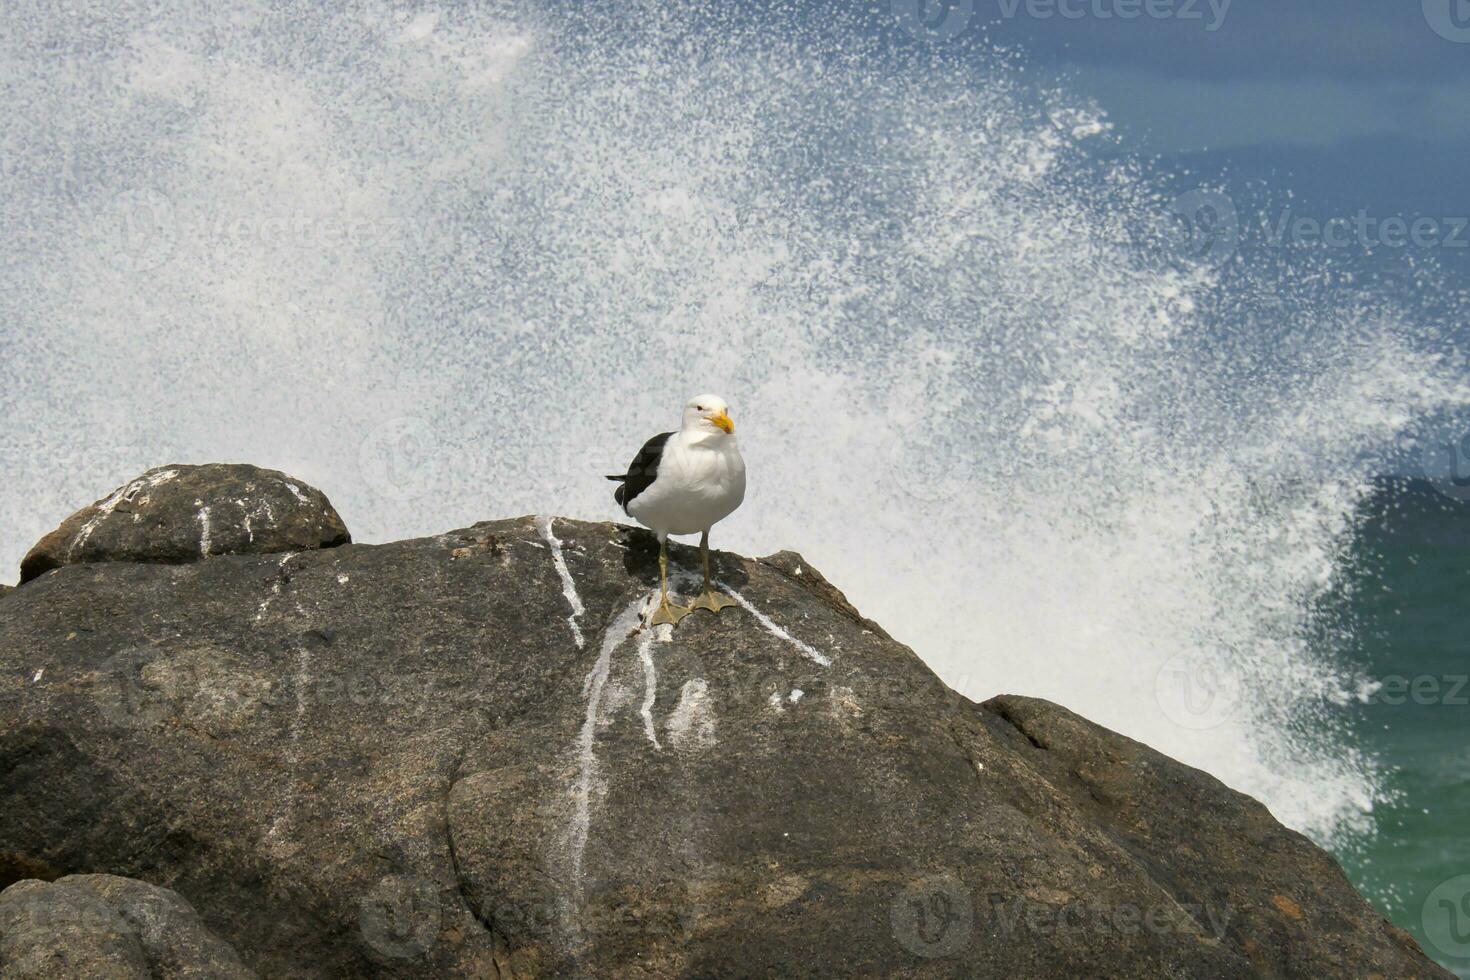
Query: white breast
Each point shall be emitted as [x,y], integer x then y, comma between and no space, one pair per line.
[697,486]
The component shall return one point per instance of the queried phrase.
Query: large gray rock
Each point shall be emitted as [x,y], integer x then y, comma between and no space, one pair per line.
[464,756]
[108,928]
[177,514]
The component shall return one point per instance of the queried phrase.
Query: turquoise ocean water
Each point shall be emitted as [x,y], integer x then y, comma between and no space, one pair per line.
[1409,597]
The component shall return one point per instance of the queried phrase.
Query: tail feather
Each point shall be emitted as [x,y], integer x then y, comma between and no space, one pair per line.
[619,478]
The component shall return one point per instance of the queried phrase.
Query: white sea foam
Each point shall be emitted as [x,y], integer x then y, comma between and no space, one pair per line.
[457,267]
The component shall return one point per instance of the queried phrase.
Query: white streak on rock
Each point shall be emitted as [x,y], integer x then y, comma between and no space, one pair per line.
[204,532]
[39,674]
[303,678]
[298,721]
[797,695]
[343,578]
[775,702]
[692,720]
[245,516]
[650,682]
[295,491]
[810,652]
[626,622]
[568,586]
[275,588]
[105,509]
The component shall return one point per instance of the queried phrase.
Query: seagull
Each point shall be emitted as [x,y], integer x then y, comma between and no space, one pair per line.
[683,482]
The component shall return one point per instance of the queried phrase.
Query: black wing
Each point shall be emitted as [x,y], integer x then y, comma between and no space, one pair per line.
[641,472]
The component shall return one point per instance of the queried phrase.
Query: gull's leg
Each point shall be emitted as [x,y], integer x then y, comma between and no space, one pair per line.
[709,598]
[666,612]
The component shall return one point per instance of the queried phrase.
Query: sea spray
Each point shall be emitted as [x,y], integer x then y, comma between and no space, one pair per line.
[453,266]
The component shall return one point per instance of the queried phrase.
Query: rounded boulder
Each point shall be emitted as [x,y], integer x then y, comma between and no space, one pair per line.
[180,514]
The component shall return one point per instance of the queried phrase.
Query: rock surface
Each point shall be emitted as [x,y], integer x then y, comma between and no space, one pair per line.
[108,928]
[464,756]
[177,514]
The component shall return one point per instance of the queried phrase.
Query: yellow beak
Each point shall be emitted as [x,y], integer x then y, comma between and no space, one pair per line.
[723,421]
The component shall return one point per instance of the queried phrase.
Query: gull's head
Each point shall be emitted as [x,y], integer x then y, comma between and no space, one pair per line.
[708,415]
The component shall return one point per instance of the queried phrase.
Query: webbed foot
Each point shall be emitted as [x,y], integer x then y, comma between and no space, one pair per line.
[711,600]
[669,613]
